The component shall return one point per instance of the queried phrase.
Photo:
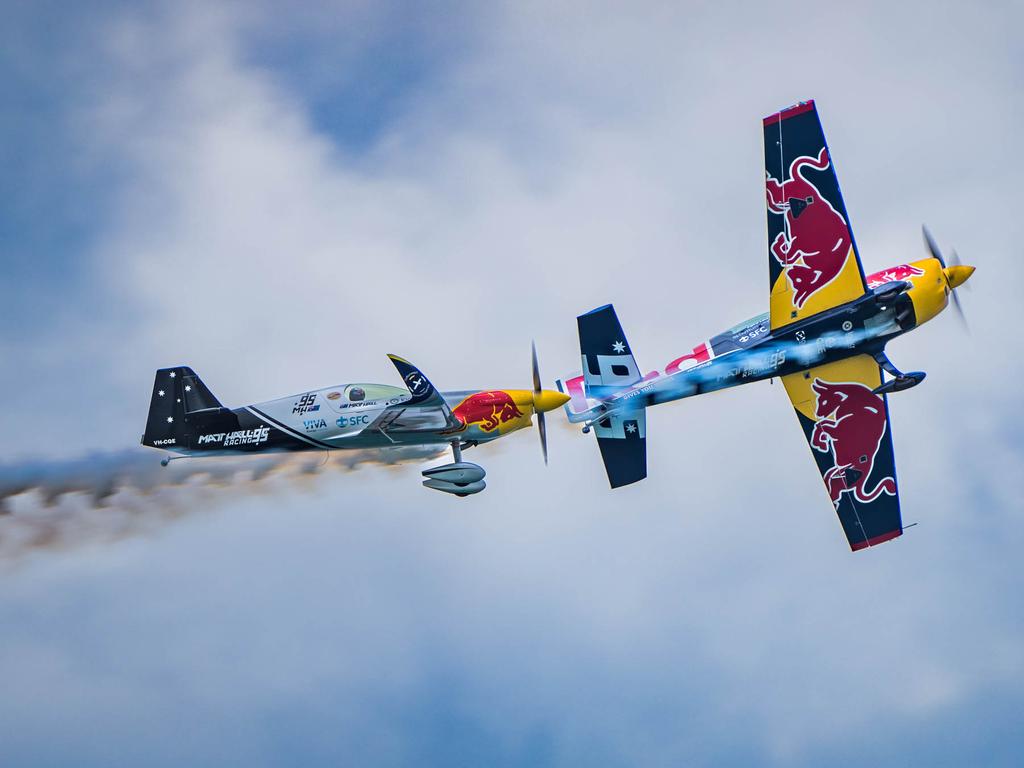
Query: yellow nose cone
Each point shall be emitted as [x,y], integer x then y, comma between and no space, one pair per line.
[547,400]
[958,275]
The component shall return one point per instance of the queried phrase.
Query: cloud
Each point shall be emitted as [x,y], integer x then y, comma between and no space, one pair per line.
[102,497]
[555,161]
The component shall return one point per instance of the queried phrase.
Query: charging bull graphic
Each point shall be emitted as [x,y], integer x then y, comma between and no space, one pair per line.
[851,423]
[488,409]
[816,241]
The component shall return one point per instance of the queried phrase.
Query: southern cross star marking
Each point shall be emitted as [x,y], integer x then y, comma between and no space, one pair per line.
[161,393]
[188,389]
[619,347]
[173,374]
[170,419]
[631,428]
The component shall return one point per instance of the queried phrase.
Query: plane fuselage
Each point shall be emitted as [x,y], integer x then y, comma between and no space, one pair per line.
[898,300]
[354,416]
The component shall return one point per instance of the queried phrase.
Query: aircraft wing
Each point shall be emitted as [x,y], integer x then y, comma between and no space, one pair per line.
[848,429]
[813,262]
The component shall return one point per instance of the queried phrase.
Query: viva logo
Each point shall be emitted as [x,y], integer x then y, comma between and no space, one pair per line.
[312,425]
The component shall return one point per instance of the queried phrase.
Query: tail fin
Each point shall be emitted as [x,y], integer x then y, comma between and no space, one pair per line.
[608,368]
[179,395]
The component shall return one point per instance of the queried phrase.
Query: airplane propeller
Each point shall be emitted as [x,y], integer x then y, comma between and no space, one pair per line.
[541,426]
[956,274]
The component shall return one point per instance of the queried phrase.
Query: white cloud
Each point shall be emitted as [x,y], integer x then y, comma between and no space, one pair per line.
[566,159]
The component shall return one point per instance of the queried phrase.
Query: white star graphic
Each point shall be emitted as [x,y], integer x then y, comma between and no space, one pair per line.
[179,399]
[173,374]
[161,393]
[188,389]
[631,428]
[618,346]
[170,419]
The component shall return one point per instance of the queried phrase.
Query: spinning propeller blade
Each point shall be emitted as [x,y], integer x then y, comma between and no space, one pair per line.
[541,426]
[956,274]
[933,249]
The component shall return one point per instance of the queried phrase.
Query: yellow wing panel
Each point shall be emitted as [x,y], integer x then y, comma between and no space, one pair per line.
[847,427]
[790,287]
[861,369]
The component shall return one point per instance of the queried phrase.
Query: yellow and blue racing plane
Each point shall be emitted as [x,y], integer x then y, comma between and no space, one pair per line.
[824,335]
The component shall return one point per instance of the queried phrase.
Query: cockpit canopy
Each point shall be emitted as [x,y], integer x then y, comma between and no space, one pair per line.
[366,393]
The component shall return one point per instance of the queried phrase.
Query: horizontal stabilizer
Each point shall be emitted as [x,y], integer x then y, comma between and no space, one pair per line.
[622,438]
[608,362]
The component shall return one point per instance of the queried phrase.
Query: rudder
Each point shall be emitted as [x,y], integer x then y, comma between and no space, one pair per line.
[177,393]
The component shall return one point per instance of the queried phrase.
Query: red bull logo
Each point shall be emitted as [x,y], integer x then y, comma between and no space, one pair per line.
[489,410]
[851,424]
[891,275]
[816,241]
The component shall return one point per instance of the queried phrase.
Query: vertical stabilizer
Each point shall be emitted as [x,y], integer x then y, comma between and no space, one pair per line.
[177,393]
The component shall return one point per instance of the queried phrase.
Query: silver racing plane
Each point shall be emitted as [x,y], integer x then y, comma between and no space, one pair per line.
[185,417]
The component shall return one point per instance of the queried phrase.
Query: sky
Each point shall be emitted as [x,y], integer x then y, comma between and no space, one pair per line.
[279,198]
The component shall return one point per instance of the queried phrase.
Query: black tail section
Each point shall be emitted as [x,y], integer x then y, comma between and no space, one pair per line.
[608,368]
[180,399]
[622,438]
[608,362]
[422,391]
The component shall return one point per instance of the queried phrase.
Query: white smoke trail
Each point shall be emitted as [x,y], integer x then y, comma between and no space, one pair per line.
[54,505]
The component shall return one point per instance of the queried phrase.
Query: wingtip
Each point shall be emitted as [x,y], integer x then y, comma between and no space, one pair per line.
[787,112]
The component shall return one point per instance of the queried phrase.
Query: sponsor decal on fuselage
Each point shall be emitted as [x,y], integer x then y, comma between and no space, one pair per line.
[306,404]
[333,395]
[354,420]
[314,425]
[360,404]
[763,364]
[891,275]
[238,437]
[488,410]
